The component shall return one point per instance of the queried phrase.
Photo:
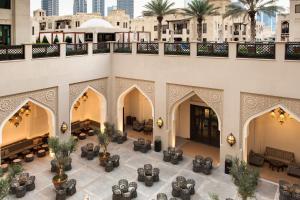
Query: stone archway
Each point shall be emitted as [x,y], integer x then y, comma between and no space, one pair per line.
[123,87]
[255,105]
[176,94]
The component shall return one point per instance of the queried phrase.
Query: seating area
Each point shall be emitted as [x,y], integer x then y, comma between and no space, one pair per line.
[142,145]
[67,189]
[288,191]
[148,175]
[82,129]
[202,165]
[183,188]
[54,165]
[21,184]
[146,125]
[90,151]
[163,196]
[111,163]
[124,190]
[173,155]
[119,137]
[20,149]
[277,159]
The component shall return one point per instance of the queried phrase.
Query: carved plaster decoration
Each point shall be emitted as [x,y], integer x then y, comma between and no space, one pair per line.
[47,97]
[76,89]
[253,104]
[212,97]
[147,87]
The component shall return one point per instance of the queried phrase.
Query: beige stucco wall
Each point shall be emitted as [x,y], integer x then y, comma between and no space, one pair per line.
[267,131]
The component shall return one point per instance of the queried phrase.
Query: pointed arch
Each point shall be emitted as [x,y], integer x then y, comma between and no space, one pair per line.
[245,130]
[172,111]
[120,104]
[103,103]
[49,111]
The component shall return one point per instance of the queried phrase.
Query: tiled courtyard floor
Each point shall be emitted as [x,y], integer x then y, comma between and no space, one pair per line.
[93,181]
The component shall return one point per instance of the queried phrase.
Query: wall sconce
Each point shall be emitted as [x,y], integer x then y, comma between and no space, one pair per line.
[64,127]
[231,139]
[160,122]
[85,97]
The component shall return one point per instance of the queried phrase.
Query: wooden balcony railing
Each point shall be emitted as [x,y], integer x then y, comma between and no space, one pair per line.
[76,49]
[14,52]
[177,49]
[147,48]
[45,50]
[292,51]
[256,50]
[122,48]
[212,49]
[102,47]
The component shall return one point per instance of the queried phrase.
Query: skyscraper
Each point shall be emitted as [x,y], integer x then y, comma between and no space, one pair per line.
[99,7]
[51,7]
[79,6]
[127,5]
[111,8]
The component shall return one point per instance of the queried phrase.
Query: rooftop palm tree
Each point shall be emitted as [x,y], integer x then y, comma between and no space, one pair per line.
[159,8]
[250,8]
[200,9]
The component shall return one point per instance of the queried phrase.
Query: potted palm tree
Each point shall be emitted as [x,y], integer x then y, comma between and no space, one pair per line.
[104,140]
[62,151]
[4,188]
[199,9]
[158,8]
[245,178]
[251,8]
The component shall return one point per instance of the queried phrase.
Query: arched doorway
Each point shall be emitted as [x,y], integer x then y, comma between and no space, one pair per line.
[274,130]
[135,113]
[195,127]
[88,111]
[28,126]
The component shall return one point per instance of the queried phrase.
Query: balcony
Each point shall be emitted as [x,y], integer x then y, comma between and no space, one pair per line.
[236,32]
[288,51]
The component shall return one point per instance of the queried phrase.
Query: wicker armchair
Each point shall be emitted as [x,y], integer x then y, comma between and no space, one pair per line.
[148,175]
[256,159]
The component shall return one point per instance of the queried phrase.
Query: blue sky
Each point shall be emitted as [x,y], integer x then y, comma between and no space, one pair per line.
[66,6]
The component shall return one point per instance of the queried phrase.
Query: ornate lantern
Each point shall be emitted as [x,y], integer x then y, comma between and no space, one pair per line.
[231,139]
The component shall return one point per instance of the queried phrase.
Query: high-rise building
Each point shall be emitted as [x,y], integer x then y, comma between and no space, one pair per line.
[99,7]
[51,7]
[111,8]
[79,6]
[127,5]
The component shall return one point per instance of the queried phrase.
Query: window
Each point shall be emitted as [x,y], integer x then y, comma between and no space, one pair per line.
[118,23]
[155,28]
[5,38]
[143,28]
[32,30]
[297,8]
[226,27]
[49,25]
[5,4]
[77,23]
[204,28]
[204,39]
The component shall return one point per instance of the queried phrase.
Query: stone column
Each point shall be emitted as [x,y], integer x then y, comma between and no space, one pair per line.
[232,48]
[63,46]
[193,49]
[90,48]
[280,51]
[161,48]
[28,51]
[134,48]
[63,109]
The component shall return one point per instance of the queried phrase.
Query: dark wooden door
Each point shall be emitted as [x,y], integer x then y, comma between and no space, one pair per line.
[204,125]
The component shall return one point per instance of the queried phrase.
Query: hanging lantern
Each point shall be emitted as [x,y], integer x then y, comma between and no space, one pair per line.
[85,97]
[27,111]
[231,139]
[22,111]
[77,104]
[281,117]
[273,114]
[16,119]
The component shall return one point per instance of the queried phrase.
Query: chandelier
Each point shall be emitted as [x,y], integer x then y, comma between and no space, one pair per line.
[17,118]
[280,115]
[84,97]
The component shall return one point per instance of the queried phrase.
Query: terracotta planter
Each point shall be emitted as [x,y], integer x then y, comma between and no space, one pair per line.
[103,158]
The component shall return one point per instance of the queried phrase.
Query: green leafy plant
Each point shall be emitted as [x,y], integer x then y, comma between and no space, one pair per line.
[159,8]
[13,170]
[45,40]
[245,178]
[105,136]
[38,40]
[200,9]
[68,40]
[213,196]
[56,40]
[4,188]
[62,149]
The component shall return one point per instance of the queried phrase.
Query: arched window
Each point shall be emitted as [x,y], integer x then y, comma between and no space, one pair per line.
[285,27]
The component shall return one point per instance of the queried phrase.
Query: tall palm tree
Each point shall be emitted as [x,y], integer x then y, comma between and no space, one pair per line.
[159,8]
[200,9]
[251,8]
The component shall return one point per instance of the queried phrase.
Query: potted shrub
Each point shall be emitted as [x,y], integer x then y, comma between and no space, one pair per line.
[104,140]
[45,40]
[68,40]
[245,178]
[62,154]
[4,188]
[56,40]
